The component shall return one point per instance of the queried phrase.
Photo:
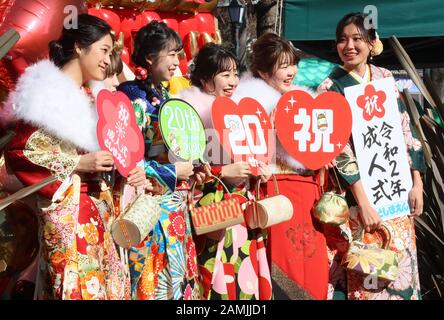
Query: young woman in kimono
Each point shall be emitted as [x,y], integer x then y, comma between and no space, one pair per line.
[56,136]
[355,46]
[296,248]
[111,81]
[164,265]
[232,263]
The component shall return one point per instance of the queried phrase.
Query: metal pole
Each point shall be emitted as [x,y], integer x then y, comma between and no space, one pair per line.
[236,39]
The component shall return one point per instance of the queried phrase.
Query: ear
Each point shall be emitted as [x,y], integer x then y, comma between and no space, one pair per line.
[77,49]
[149,60]
[264,75]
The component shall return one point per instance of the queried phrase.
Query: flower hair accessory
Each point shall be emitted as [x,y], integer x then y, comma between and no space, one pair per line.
[378,47]
[141,73]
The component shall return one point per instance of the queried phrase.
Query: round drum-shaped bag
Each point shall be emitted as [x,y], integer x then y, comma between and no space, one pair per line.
[136,222]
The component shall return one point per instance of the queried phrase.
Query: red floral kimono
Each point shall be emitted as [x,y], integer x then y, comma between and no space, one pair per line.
[56,123]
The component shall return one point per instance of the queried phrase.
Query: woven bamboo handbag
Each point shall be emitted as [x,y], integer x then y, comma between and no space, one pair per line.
[216,216]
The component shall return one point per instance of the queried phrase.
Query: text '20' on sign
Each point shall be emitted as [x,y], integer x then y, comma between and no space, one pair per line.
[244,131]
[313,130]
[117,130]
[182,130]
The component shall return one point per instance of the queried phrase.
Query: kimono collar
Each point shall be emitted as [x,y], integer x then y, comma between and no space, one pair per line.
[367,75]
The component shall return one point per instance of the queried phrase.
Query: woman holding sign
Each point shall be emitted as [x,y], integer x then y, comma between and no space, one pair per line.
[164,267]
[356,45]
[297,248]
[231,259]
[56,136]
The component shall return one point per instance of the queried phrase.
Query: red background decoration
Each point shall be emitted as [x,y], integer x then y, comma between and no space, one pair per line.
[38,22]
[285,126]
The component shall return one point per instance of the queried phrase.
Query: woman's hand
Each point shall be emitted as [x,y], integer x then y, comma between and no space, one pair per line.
[202,174]
[330,165]
[416,200]
[265,172]
[370,218]
[137,177]
[235,170]
[98,161]
[184,170]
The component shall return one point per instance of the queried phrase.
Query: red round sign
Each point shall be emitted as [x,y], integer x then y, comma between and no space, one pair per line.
[313,130]
[117,130]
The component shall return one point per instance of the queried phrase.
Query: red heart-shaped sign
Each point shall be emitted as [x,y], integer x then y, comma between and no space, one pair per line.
[117,130]
[244,131]
[313,130]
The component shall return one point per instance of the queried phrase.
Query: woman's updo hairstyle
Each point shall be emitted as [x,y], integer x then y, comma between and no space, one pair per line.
[89,29]
[270,50]
[150,40]
[211,60]
[368,34]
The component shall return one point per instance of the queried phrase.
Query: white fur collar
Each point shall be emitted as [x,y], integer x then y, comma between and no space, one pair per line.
[47,98]
[258,89]
[268,97]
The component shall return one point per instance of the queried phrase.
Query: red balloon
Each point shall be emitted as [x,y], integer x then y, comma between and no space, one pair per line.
[109,16]
[149,16]
[187,23]
[125,55]
[183,66]
[132,21]
[38,22]
[205,23]
[170,20]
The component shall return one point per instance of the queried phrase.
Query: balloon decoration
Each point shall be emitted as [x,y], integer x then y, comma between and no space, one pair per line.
[109,16]
[38,22]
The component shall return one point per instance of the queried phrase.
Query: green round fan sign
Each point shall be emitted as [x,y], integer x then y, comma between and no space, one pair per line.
[182,129]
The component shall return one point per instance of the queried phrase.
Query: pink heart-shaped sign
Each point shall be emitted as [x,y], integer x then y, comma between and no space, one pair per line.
[117,130]
[244,131]
[313,130]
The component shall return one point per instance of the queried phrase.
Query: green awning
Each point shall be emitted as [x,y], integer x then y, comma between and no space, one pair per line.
[317,19]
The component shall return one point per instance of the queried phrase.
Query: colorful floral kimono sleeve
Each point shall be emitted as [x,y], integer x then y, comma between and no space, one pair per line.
[414,147]
[165,174]
[35,155]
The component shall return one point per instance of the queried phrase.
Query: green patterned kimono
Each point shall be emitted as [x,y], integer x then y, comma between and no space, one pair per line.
[350,284]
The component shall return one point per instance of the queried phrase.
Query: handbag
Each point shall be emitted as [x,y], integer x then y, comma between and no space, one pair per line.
[264,213]
[331,208]
[136,222]
[373,258]
[216,216]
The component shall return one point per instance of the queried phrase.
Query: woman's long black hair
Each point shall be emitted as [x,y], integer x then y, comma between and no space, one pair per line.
[89,30]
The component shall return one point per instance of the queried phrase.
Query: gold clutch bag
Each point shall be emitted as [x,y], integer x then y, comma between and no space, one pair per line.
[331,208]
